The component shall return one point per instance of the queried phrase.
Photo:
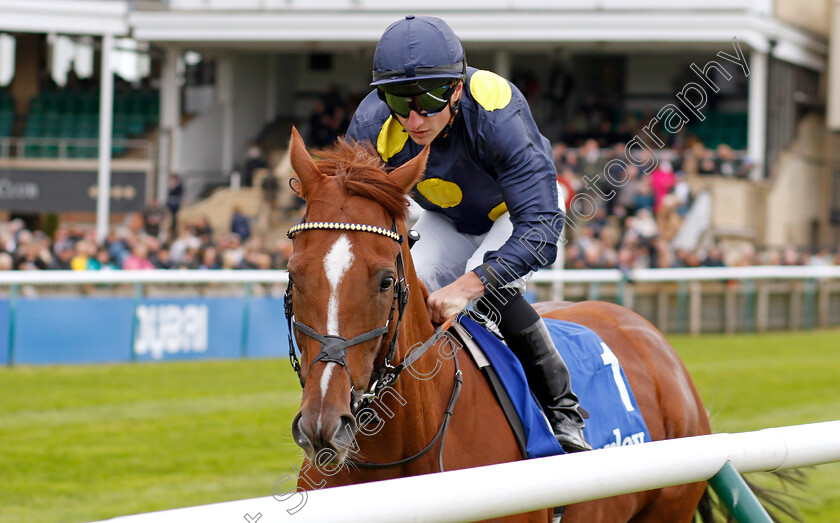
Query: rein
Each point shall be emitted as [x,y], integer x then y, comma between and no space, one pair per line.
[447,415]
[334,348]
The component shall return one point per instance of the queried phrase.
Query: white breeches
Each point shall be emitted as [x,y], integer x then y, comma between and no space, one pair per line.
[442,254]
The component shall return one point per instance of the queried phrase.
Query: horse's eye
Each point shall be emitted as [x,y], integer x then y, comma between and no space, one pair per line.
[386,283]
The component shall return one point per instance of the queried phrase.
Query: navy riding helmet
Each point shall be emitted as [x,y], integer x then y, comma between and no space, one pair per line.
[417,54]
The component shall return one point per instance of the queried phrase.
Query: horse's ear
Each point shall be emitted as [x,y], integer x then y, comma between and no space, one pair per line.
[302,163]
[409,174]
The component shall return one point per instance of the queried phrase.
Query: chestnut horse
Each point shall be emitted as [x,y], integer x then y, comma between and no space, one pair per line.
[353,290]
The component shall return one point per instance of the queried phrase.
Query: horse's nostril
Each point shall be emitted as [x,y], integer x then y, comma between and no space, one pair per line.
[299,434]
[347,425]
[344,437]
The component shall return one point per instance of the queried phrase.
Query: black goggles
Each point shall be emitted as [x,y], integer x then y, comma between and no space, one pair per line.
[427,103]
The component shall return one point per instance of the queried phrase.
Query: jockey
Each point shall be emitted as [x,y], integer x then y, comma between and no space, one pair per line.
[490,194]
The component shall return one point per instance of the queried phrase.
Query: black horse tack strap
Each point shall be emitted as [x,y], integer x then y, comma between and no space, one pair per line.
[393,373]
[440,435]
[334,348]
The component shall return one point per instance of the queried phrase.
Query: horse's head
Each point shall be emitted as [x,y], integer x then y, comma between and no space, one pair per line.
[344,289]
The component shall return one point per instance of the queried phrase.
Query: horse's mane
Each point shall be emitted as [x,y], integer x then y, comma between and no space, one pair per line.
[361,173]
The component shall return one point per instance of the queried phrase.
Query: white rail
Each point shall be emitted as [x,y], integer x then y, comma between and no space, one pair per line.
[18,145]
[128,277]
[510,488]
[544,276]
[758,272]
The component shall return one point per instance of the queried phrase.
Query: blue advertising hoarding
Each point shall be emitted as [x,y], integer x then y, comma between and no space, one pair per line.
[267,328]
[5,313]
[188,329]
[73,330]
[93,329]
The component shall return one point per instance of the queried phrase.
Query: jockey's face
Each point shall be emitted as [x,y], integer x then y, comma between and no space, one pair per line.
[424,129]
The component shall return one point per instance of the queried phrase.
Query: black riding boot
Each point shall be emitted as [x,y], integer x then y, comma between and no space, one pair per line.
[549,379]
[528,338]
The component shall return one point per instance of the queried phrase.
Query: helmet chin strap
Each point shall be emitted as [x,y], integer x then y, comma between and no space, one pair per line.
[454,108]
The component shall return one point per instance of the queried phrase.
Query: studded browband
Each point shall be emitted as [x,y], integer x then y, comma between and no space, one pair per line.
[306,226]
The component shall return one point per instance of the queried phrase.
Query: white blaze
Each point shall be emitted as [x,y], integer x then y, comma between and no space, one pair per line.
[325,378]
[325,382]
[336,263]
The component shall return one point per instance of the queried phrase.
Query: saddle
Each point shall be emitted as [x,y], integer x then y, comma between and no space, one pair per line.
[597,378]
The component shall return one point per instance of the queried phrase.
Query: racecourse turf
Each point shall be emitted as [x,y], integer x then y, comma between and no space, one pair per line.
[82,443]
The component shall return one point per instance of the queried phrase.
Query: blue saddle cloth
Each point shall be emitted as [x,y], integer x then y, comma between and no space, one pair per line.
[597,379]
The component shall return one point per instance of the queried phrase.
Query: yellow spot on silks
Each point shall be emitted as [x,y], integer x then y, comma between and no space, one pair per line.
[440,192]
[497,211]
[391,139]
[490,90]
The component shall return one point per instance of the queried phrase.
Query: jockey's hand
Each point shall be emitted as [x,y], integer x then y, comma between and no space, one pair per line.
[452,299]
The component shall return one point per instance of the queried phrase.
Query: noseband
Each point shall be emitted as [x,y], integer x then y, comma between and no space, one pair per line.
[334,348]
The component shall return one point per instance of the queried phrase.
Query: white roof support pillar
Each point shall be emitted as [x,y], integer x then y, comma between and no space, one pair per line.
[834,69]
[7,59]
[501,63]
[271,81]
[170,121]
[106,116]
[757,113]
[224,84]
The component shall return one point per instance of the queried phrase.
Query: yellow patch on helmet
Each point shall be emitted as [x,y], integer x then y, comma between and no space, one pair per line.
[490,90]
[440,192]
[391,139]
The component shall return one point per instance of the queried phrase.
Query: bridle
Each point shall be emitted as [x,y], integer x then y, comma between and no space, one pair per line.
[334,348]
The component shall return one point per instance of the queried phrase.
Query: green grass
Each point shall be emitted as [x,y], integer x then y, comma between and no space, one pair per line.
[751,382]
[82,443]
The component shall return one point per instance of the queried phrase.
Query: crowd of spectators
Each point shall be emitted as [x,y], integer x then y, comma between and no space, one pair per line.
[634,222]
[133,246]
[632,225]
[330,117]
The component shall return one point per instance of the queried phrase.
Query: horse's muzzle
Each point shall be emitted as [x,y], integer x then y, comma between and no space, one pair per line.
[325,442]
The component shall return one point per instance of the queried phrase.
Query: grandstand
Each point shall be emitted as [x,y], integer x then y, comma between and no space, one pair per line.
[198,83]
[131,132]
[7,113]
[72,117]
[722,128]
